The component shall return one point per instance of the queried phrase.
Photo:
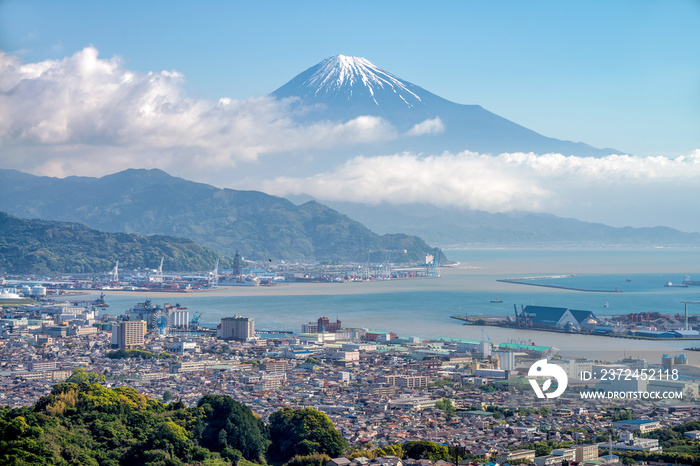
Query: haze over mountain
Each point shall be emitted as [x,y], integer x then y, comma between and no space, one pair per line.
[149,202]
[261,226]
[459,228]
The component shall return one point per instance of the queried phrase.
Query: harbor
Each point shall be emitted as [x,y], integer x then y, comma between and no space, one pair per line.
[502,322]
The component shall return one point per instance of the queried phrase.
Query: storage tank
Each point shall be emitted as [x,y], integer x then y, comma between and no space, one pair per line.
[39,290]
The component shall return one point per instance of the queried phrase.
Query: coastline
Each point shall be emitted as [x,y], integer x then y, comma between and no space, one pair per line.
[422,307]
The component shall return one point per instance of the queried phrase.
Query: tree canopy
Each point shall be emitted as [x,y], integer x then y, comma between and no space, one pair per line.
[425,449]
[79,376]
[226,426]
[303,432]
[447,407]
[88,424]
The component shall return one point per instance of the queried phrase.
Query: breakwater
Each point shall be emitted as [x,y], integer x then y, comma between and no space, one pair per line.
[558,287]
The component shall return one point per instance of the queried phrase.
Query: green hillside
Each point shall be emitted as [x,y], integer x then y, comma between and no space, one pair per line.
[150,202]
[41,246]
[83,424]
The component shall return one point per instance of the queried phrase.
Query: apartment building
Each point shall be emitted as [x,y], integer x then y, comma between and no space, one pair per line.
[130,334]
[237,328]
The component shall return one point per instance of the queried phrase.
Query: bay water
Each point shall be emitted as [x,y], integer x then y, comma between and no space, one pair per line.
[423,307]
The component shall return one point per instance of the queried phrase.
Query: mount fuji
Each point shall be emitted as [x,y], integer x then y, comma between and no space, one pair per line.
[343,88]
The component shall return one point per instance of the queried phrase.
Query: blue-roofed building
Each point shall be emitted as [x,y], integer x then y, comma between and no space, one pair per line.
[685,333]
[643,425]
[560,318]
[653,334]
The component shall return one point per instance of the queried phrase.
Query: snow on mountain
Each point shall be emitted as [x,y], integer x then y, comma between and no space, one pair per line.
[342,74]
[342,88]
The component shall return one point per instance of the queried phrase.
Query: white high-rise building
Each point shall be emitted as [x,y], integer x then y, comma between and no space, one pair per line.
[179,318]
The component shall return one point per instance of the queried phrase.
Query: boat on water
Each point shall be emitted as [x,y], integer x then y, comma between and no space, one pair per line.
[100,302]
[496,300]
[688,282]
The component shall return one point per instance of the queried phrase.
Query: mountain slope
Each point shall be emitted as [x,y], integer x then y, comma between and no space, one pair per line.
[453,227]
[258,225]
[40,246]
[342,88]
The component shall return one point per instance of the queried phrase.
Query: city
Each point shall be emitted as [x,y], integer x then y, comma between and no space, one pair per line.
[365,233]
[377,388]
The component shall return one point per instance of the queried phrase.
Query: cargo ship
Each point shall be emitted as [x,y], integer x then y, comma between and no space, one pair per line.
[245,280]
[688,282]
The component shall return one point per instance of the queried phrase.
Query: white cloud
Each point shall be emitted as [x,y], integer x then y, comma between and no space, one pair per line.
[429,126]
[59,114]
[502,183]
[89,116]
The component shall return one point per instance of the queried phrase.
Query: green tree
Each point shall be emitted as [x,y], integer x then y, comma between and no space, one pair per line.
[369,454]
[167,395]
[225,423]
[424,449]
[541,448]
[394,450]
[316,459]
[447,407]
[79,376]
[623,415]
[172,438]
[303,432]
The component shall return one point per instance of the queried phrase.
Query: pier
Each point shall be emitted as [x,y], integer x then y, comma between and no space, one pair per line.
[500,321]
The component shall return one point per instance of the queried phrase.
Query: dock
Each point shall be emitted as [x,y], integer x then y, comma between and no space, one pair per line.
[499,321]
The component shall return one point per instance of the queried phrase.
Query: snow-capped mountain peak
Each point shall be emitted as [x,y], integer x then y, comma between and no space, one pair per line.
[335,73]
[345,78]
[343,88]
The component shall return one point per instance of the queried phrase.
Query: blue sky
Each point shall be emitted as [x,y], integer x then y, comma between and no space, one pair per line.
[94,87]
[621,74]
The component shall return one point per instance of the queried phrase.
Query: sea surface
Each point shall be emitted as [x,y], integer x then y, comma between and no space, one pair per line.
[423,307]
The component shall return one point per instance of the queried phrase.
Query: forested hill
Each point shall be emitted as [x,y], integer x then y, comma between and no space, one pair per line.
[257,225]
[84,424]
[41,246]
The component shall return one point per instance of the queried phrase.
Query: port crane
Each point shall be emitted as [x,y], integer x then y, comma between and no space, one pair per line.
[215,279]
[115,273]
[195,319]
[432,263]
[381,269]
